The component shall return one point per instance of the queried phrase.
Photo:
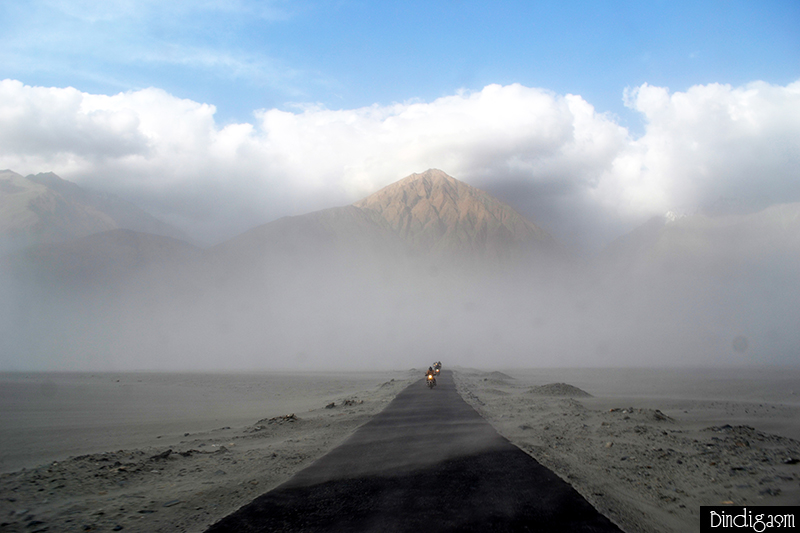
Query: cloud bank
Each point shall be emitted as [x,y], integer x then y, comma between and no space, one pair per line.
[574,171]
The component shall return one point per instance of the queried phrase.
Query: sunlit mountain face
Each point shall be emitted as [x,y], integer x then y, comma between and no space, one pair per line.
[435,213]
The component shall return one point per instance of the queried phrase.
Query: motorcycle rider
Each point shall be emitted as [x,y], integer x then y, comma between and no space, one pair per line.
[430,375]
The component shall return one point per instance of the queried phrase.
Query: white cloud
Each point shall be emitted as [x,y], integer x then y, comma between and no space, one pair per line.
[716,140]
[49,123]
[170,155]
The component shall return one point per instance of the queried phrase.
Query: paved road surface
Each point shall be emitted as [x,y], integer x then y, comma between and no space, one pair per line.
[428,462]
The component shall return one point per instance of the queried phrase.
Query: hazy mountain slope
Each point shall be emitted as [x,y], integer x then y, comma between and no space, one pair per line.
[114,299]
[125,214]
[710,244]
[109,257]
[33,213]
[627,250]
[45,209]
[16,193]
[706,281]
[338,232]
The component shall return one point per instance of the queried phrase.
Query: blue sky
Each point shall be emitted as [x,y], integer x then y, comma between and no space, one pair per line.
[241,56]
[276,70]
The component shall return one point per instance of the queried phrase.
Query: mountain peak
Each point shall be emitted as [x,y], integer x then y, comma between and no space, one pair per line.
[437,213]
[432,176]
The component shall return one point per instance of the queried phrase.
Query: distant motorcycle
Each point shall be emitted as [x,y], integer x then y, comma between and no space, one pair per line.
[431,381]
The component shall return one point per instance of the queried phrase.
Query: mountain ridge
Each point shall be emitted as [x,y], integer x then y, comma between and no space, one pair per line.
[44,209]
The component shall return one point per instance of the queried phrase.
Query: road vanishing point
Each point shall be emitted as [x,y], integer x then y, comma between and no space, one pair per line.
[427,462]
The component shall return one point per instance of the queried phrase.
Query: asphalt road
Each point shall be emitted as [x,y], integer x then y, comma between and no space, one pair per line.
[428,462]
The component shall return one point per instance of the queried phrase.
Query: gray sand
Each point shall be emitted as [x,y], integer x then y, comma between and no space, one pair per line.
[651,446]
[45,417]
[176,452]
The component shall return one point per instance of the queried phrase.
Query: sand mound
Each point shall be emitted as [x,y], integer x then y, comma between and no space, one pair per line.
[559,389]
[498,375]
[497,392]
[643,414]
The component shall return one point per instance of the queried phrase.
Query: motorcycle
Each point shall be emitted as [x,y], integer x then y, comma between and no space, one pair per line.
[431,381]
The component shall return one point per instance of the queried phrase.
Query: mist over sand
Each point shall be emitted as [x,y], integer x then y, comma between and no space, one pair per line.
[428,264]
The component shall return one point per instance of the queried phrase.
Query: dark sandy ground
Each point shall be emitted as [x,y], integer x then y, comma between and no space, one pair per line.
[649,462]
[186,482]
[647,454]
